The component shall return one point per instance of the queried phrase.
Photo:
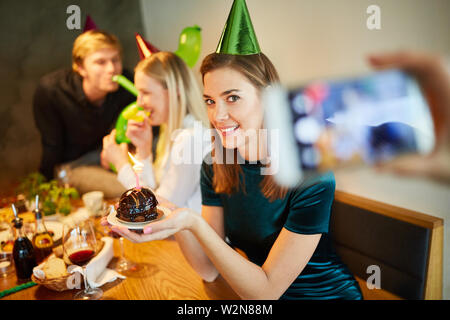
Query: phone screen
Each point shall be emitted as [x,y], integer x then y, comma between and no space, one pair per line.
[369,119]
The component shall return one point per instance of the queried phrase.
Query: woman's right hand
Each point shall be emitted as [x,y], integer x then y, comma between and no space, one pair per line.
[112,153]
[177,220]
[141,135]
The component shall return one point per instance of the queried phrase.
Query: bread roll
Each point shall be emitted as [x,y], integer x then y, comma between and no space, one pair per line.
[55,268]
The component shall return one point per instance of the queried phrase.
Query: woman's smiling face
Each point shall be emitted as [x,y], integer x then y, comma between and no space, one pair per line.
[234,106]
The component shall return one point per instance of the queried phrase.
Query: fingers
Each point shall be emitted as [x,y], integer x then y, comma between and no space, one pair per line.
[104,222]
[124,232]
[103,161]
[133,129]
[105,141]
[147,122]
[399,59]
[132,124]
[159,226]
[412,61]
[161,235]
[109,139]
[139,238]
[124,147]
[433,166]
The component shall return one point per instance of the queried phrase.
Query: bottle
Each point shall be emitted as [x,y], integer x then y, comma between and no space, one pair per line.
[23,252]
[42,240]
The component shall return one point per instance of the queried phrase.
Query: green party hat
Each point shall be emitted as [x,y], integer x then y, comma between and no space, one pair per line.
[238,36]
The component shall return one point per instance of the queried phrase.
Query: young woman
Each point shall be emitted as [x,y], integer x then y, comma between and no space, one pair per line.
[167,90]
[283,233]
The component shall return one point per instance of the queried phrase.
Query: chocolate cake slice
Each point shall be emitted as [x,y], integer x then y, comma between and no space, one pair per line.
[137,205]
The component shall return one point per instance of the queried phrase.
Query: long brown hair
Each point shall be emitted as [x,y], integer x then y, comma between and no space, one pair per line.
[259,70]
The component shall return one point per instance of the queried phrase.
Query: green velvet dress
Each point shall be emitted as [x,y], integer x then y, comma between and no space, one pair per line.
[252,224]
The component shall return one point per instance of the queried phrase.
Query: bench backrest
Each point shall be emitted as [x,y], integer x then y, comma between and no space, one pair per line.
[407,246]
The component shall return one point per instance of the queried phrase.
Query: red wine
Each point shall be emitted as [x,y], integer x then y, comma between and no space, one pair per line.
[24,258]
[81,257]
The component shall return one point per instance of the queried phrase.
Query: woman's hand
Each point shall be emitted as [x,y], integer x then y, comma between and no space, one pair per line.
[114,153]
[178,220]
[141,135]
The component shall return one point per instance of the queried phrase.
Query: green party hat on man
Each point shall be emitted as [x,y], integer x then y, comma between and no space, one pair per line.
[238,36]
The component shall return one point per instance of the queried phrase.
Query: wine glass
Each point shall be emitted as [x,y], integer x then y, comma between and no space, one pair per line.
[123,264]
[80,246]
[62,172]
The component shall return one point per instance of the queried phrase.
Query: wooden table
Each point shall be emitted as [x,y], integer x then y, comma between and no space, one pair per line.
[162,274]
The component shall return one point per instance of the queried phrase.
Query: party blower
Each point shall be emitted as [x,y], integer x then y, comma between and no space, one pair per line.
[189,48]
[131,112]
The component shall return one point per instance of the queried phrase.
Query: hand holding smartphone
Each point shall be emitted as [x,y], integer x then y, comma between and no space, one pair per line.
[330,124]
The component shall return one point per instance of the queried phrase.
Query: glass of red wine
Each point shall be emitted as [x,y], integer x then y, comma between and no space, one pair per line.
[80,246]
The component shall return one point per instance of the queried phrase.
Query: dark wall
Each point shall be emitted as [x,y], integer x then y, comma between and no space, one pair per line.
[34,40]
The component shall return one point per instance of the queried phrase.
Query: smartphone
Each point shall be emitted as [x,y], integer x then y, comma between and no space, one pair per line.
[335,123]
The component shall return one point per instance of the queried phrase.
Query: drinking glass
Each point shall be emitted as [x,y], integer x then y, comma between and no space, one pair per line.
[6,264]
[80,246]
[123,264]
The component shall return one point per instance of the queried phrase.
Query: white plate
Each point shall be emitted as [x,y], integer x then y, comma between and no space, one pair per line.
[113,220]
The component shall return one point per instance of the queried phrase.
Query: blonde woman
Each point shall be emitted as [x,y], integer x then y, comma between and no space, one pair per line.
[168,91]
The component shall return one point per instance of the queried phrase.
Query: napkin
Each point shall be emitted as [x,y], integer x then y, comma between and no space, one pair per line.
[97,273]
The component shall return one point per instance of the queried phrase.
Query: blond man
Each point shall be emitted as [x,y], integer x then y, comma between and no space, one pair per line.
[74,108]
